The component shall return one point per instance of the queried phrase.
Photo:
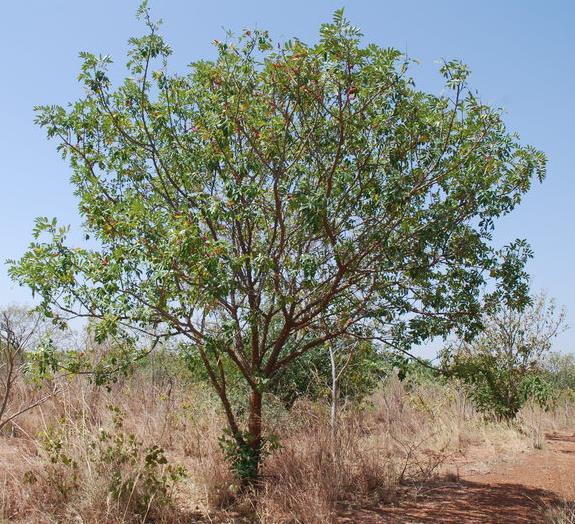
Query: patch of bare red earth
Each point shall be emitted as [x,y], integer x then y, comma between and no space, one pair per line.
[513,493]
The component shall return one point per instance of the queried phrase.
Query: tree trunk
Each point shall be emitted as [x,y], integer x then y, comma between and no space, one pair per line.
[255,419]
[334,399]
[254,440]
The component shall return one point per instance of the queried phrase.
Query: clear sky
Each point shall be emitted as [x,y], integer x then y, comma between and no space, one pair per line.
[521,52]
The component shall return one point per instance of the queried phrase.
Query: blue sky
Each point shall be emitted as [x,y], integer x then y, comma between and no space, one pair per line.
[521,53]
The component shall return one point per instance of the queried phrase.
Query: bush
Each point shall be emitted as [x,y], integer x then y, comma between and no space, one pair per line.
[504,366]
[560,370]
[310,376]
[137,481]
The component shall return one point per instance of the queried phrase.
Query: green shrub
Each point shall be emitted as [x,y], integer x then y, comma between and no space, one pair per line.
[560,370]
[137,478]
[504,366]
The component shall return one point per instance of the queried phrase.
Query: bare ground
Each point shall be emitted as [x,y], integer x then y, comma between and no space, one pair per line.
[514,492]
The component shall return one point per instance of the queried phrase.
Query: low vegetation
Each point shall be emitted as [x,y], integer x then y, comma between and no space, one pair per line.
[149,447]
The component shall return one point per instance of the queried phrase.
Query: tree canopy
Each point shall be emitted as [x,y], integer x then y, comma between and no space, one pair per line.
[278,197]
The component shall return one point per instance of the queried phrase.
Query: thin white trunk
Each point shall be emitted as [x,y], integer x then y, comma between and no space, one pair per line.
[334,397]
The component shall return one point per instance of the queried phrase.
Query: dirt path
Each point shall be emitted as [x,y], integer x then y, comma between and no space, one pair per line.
[514,493]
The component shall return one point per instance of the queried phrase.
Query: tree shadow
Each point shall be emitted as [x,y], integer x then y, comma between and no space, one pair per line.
[461,502]
[558,437]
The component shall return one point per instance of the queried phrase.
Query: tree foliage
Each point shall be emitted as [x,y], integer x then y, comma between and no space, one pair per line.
[21,332]
[310,375]
[560,370]
[506,364]
[278,197]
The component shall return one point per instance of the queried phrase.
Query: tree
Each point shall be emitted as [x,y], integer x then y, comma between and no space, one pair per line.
[560,369]
[311,375]
[277,198]
[336,374]
[21,331]
[506,364]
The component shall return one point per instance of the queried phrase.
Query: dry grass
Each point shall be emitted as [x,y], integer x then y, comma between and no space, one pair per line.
[564,514]
[57,467]
[86,455]
[535,421]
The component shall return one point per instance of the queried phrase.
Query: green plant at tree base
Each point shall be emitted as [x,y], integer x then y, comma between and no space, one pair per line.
[278,198]
[243,456]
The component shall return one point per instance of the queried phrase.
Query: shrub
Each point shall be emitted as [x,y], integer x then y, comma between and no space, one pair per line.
[504,366]
[137,480]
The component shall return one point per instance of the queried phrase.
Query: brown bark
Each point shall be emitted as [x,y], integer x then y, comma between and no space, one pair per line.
[255,420]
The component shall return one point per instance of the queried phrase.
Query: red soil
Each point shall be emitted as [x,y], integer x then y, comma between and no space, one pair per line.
[513,493]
